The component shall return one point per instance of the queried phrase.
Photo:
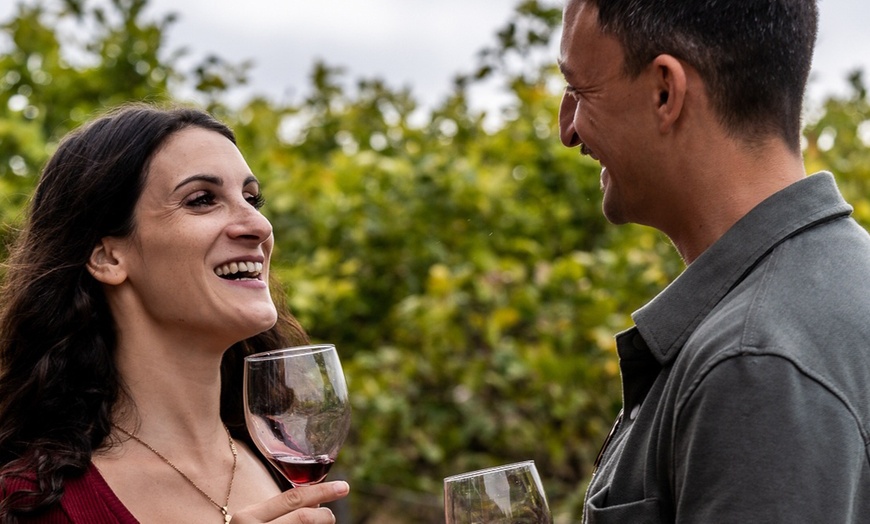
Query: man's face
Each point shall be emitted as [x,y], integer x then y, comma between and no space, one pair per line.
[606,113]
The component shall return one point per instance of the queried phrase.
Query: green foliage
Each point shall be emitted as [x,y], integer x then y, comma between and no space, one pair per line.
[839,141]
[464,272]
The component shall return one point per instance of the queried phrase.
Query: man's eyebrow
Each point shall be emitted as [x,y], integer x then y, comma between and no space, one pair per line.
[211,179]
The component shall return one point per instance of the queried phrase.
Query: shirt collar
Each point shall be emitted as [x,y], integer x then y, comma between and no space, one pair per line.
[669,319]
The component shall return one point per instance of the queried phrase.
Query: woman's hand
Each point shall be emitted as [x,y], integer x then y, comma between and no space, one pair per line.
[295,506]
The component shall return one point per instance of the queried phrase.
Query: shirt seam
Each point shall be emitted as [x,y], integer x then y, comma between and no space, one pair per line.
[825,213]
[806,371]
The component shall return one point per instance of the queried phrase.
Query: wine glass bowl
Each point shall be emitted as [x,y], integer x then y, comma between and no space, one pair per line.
[297,409]
[509,494]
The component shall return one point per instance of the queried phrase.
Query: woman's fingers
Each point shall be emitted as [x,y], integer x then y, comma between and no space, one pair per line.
[283,508]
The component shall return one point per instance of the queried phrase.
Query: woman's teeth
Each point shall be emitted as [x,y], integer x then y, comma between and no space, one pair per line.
[240,270]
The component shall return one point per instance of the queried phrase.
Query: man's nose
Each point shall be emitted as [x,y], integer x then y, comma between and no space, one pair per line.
[567,112]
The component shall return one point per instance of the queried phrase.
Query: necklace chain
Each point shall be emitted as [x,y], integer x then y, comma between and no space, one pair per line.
[223,509]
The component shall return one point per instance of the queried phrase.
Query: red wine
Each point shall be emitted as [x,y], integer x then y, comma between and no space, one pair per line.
[302,471]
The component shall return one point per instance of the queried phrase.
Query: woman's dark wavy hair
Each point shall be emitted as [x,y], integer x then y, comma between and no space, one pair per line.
[754,55]
[58,379]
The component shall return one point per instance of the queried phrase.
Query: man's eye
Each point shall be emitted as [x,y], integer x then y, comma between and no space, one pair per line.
[572,91]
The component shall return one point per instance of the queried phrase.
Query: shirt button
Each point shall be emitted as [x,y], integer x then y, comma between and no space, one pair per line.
[634,412]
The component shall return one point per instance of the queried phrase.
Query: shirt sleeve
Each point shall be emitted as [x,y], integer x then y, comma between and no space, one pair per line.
[758,440]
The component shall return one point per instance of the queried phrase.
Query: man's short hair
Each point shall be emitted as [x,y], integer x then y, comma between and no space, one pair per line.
[753,55]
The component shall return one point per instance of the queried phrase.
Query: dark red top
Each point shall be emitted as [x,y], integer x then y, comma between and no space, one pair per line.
[86,500]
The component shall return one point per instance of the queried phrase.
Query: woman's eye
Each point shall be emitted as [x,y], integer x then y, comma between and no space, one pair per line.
[256,201]
[200,200]
[207,198]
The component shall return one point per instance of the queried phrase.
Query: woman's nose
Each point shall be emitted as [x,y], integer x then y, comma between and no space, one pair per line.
[248,222]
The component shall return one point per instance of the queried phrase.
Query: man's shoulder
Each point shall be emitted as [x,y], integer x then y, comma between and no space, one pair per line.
[806,303]
[814,287]
[808,285]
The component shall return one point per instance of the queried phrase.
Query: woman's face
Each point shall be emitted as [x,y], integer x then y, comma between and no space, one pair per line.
[197,261]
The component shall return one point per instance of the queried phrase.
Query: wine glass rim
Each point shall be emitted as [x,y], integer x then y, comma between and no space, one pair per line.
[309,349]
[494,469]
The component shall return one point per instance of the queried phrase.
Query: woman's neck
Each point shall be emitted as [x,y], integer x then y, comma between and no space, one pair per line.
[172,389]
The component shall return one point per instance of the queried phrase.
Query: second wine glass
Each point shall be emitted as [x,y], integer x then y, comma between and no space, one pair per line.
[509,494]
[297,409]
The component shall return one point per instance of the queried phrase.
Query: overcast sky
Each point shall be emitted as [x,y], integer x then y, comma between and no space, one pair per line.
[418,43]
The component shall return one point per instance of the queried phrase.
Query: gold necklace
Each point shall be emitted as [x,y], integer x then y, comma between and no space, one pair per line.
[223,509]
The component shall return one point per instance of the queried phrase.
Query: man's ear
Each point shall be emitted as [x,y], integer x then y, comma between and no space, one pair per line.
[671,84]
[105,262]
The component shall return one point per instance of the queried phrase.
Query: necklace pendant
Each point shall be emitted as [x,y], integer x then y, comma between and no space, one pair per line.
[223,509]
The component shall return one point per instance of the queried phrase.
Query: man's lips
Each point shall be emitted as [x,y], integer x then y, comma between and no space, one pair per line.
[584,150]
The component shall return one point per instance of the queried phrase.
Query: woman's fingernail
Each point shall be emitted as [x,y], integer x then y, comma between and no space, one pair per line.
[341,487]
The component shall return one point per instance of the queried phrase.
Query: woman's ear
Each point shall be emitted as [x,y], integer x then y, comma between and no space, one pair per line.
[105,263]
[671,85]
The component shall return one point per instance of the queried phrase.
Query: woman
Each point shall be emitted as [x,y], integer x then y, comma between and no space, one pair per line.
[136,288]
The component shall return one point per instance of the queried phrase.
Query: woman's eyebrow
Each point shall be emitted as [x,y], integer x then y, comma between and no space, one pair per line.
[211,179]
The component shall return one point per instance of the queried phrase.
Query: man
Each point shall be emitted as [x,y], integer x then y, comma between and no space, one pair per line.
[746,383]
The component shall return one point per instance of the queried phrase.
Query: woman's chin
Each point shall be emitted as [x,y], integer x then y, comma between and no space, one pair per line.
[254,323]
[266,321]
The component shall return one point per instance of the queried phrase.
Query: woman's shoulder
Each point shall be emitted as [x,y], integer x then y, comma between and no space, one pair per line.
[22,487]
[86,498]
[89,498]
[14,480]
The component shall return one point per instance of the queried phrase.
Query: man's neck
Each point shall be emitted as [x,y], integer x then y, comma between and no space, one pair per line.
[726,185]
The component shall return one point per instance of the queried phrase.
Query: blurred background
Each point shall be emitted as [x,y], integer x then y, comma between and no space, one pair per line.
[427,220]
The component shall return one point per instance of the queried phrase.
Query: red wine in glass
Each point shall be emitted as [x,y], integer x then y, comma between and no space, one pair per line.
[302,471]
[297,409]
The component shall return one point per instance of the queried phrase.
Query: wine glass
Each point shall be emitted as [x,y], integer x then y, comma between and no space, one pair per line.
[297,410]
[508,494]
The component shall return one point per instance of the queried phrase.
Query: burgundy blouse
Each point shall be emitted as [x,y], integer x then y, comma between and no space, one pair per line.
[86,500]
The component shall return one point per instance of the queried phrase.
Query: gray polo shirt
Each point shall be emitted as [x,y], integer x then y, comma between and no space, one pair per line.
[746,383]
